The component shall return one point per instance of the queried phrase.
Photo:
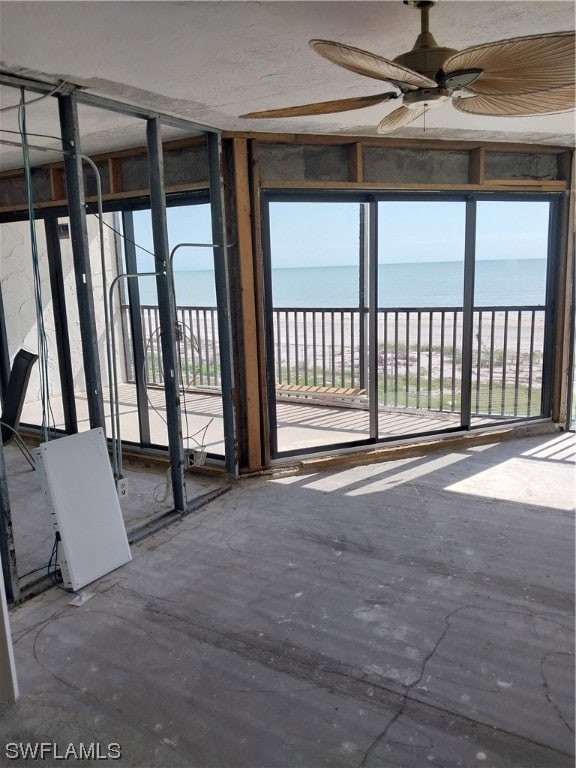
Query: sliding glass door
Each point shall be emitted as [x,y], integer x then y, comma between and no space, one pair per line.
[421,249]
[317,320]
[410,315]
[511,317]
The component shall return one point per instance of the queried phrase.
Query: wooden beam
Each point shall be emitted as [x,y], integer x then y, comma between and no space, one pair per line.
[109,196]
[247,305]
[400,143]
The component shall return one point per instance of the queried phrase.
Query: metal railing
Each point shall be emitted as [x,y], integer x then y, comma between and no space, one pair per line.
[419,354]
[197,343]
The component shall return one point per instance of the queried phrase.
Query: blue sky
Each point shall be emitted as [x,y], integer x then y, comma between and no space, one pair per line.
[326,234]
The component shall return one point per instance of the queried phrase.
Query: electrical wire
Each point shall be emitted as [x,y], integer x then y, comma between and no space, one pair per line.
[53,574]
[38,135]
[34,570]
[34,101]
[121,234]
[166,486]
[201,444]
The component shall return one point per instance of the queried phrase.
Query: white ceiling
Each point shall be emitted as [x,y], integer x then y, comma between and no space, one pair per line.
[212,61]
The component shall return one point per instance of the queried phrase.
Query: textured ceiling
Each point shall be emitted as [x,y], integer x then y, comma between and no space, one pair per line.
[212,61]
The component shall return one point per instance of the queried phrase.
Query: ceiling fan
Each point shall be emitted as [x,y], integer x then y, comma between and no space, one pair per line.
[516,77]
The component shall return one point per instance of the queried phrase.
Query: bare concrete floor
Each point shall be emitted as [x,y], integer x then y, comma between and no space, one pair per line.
[149,498]
[411,613]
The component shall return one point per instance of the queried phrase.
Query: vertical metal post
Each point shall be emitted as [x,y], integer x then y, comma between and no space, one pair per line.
[550,316]
[136,329]
[79,236]
[223,301]
[7,549]
[372,234]
[4,352]
[363,293]
[468,314]
[166,310]
[8,681]
[61,323]
[273,356]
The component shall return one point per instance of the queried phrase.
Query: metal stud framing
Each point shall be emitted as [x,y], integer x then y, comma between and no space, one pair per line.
[166,311]
[7,549]
[136,330]
[79,237]
[61,323]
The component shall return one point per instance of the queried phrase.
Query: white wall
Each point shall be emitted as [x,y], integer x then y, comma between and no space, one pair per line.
[16,278]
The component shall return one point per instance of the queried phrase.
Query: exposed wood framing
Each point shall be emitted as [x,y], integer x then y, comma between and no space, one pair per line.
[110,196]
[57,189]
[563,336]
[355,163]
[565,166]
[399,143]
[115,175]
[249,360]
[476,166]
[258,259]
[116,185]
[355,180]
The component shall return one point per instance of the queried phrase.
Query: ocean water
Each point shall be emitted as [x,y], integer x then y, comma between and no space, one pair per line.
[502,282]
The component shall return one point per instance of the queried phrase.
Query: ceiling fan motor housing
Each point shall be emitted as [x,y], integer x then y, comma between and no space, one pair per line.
[427,61]
[425,96]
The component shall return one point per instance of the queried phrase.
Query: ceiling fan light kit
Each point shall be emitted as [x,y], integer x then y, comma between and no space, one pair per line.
[518,77]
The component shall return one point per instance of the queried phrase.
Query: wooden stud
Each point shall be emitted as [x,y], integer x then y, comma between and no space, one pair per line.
[563,317]
[476,166]
[258,260]
[57,189]
[247,304]
[115,175]
[355,162]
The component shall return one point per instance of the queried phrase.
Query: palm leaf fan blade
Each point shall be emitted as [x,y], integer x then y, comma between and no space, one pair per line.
[324,107]
[369,64]
[519,65]
[399,117]
[520,104]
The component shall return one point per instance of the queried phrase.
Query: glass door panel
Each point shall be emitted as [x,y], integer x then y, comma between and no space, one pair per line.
[197,314]
[196,310]
[509,309]
[316,319]
[420,315]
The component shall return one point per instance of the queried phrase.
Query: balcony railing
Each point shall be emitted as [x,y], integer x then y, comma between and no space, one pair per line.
[419,356]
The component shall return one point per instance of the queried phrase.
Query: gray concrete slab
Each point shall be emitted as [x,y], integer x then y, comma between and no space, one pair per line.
[408,613]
